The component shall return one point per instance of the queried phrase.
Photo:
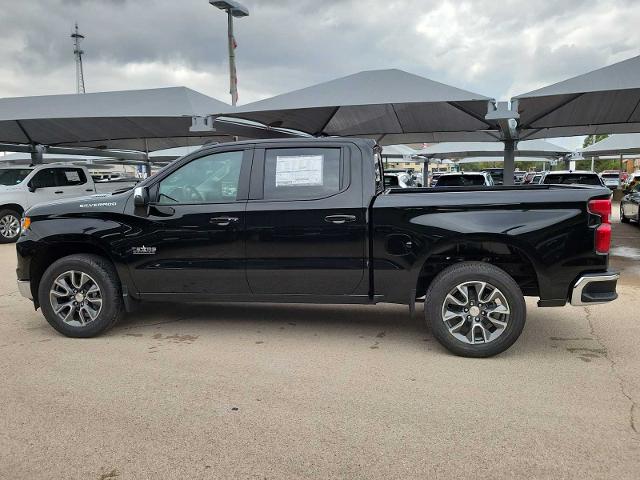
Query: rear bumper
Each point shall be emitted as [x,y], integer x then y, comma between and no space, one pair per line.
[591,289]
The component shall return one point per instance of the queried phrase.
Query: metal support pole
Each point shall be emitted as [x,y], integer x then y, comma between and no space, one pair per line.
[425,173]
[233,86]
[593,164]
[620,171]
[37,155]
[509,166]
[147,163]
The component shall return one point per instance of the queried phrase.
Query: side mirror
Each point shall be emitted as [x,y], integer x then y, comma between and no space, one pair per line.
[32,188]
[141,197]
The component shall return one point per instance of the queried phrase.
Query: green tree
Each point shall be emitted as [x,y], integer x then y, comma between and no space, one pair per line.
[591,139]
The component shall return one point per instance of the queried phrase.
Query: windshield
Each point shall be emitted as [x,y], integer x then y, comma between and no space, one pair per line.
[572,179]
[611,175]
[460,180]
[13,176]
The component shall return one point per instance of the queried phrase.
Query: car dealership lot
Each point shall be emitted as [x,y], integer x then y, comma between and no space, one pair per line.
[302,391]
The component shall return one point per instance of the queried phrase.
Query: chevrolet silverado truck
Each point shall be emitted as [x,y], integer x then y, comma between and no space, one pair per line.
[310,221]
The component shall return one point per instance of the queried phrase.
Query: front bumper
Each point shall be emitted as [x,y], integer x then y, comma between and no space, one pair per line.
[591,289]
[24,287]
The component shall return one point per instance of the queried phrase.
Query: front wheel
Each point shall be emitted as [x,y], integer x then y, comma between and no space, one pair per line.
[9,226]
[80,295]
[475,309]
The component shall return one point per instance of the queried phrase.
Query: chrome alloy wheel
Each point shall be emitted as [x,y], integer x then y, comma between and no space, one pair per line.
[9,226]
[475,312]
[75,298]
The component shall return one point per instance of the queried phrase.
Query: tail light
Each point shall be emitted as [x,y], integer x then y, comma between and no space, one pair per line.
[602,208]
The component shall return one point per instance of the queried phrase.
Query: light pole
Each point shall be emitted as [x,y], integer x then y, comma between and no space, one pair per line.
[233,9]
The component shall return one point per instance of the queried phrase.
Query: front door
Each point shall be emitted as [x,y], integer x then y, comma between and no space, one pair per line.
[306,225]
[192,238]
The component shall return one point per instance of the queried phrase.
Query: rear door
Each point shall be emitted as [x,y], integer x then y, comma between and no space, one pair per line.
[306,225]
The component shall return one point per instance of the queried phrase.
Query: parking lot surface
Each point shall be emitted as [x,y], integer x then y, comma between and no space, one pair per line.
[295,391]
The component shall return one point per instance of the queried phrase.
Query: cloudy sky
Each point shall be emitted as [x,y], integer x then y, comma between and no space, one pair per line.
[498,48]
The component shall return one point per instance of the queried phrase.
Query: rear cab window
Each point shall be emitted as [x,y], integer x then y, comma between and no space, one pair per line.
[572,179]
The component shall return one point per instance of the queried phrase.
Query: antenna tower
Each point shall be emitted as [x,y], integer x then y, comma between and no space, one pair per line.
[78,52]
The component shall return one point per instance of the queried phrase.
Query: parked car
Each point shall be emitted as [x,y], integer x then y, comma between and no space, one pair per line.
[465,179]
[528,177]
[399,180]
[632,180]
[630,205]
[518,177]
[497,174]
[21,187]
[569,177]
[434,178]
[611,179]
[536,179]
[310,221]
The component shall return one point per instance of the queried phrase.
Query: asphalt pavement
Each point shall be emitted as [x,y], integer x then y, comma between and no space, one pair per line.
[294,392]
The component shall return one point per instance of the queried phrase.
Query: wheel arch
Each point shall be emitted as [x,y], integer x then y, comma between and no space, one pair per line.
[505,253]
[13,206]
[51,252]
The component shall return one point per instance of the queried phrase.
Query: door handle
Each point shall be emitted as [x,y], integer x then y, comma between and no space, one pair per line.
[59,191]
[340,219]
[223,221]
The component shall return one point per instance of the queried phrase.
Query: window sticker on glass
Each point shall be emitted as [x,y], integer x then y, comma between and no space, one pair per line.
[72,175]
[299,171]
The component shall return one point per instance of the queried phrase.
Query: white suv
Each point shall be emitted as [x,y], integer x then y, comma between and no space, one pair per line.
[22,187]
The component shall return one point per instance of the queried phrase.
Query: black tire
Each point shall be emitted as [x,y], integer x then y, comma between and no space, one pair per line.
[463,272]
[8,215]
[623,219]
[104,274]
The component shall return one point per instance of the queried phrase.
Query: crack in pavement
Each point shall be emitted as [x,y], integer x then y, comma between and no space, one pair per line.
[618,377]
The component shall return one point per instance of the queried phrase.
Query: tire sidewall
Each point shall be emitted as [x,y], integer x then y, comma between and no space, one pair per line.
[475,271]
[111,299]
[4,213]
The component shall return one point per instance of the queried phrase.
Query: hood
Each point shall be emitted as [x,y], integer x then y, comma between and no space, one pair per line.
[99,202]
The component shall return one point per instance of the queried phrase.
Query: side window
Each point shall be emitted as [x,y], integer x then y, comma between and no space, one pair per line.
[302,173]
[210,179]
[45,178]
[67,177]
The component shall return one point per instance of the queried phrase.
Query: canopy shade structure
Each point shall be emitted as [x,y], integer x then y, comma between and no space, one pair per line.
[499,159]
[620,144]
[170,154]
[131,119]
[391,106]
[529,148]
[606,100]
[398,151]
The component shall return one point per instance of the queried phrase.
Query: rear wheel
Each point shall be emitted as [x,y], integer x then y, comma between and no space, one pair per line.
[475,309]
[9,226]
[623,219]
[80,295]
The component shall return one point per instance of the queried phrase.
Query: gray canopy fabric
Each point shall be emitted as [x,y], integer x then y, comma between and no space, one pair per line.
[391,106]
[398,151]
[606,100]
[527,148]
[622,143]
[131,119]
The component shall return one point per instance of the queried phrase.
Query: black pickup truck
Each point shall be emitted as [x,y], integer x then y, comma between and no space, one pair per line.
[310,221]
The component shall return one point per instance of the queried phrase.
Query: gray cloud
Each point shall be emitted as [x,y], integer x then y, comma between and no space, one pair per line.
[495,48]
